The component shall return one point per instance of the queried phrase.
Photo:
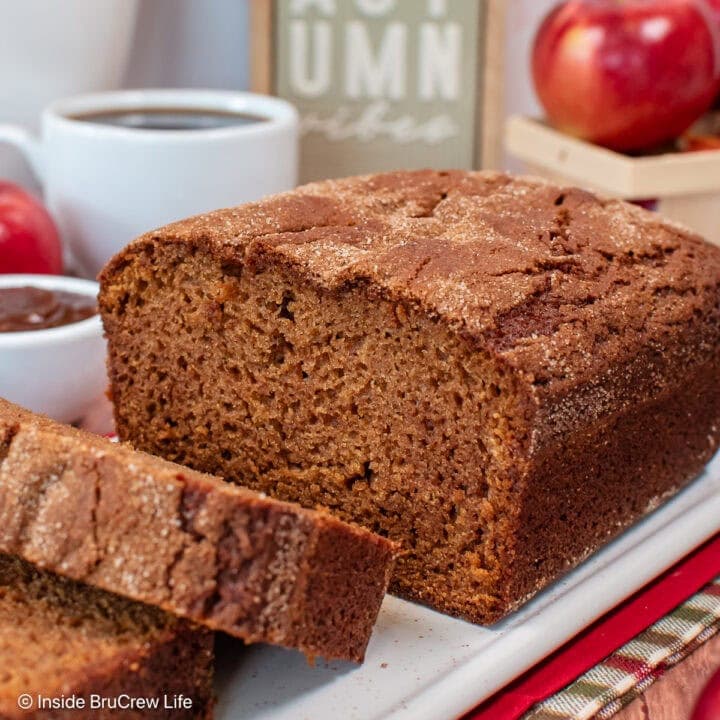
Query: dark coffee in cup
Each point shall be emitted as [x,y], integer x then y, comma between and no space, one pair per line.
[168,118]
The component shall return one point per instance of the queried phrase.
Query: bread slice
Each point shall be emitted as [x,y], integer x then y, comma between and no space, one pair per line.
[191,544]
[497,372]
[61,641]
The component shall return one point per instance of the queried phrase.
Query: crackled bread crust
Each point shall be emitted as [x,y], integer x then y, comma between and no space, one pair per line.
[499,373]
[61,638]
[221,555]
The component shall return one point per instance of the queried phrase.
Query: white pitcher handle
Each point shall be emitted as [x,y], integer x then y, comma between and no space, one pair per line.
[27,143]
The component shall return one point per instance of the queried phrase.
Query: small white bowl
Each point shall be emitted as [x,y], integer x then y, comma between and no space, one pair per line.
[57,371]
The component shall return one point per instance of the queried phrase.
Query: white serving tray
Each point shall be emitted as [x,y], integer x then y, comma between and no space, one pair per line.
[423,665]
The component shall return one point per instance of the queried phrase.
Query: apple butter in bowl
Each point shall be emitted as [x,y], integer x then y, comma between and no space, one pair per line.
[34,308]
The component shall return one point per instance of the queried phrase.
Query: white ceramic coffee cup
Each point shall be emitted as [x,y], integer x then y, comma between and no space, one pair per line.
[106,184]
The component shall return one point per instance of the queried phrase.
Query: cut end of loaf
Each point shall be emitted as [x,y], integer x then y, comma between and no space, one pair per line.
[327,405]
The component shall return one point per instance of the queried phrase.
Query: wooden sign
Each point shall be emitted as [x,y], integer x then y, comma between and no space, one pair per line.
[384,84]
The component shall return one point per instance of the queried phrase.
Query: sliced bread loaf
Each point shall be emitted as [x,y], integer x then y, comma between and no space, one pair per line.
[71,651]
[189,543]
[497,372]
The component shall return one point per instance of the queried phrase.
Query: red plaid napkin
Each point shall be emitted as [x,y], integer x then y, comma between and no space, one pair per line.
[609,639]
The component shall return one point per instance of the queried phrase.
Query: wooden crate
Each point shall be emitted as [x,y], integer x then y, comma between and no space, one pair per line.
[686,185]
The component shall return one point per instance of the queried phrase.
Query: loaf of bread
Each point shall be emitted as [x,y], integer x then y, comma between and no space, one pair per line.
[499,373]
[63,640]
[191,544]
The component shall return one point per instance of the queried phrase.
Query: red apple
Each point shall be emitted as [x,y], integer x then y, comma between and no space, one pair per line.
[715,7]
[29,241]
[708,706]
[627,74]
